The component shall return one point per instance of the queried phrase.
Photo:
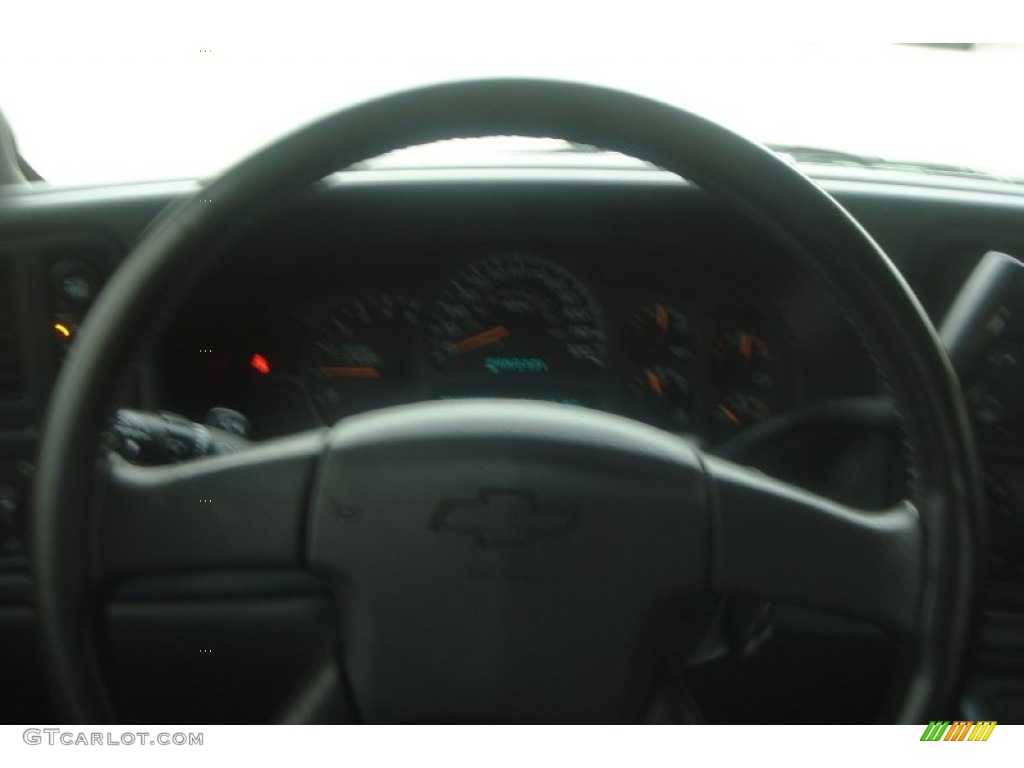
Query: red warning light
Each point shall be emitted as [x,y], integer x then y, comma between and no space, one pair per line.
[260,364]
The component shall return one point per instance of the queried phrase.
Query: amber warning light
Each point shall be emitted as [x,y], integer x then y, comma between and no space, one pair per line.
[259,363]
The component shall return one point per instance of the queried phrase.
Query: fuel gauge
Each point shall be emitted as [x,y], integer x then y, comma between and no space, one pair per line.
[659,332]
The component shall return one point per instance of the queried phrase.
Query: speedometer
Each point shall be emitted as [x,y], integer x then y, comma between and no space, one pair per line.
[517,315]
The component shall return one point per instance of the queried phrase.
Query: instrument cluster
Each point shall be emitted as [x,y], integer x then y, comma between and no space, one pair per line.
[697,359]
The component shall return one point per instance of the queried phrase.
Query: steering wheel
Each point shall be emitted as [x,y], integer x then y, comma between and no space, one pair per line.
[508,560]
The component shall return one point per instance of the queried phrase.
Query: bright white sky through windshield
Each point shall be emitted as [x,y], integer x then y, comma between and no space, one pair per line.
[100,92]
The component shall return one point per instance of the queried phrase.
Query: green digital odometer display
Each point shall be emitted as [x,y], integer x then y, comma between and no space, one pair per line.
[504,365]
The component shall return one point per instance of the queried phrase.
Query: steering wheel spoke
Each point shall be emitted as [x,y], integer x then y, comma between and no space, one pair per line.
[241,510]
[321,697]
[772,539]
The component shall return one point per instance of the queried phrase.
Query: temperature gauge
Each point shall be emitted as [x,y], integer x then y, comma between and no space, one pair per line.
[662,396]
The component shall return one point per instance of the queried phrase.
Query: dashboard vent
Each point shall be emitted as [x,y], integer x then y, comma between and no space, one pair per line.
[11,383]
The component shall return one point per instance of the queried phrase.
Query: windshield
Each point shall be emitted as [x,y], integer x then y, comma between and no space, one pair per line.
[186,96]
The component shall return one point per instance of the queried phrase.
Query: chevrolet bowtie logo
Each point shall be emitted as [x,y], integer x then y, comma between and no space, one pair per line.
[499,517]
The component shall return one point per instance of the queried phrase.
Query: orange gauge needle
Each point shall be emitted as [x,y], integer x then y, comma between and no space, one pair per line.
[661,317]
[350,371]
[746,345]
[654,382]
[482,339]
[727,412]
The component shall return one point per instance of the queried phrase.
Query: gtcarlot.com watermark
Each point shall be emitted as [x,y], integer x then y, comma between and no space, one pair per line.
[55,736]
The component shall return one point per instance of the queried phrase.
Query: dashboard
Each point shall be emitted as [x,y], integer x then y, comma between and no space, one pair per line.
[628,291]
[680,349]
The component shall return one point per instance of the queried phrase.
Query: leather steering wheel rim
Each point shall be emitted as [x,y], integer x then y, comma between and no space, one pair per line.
[944,481]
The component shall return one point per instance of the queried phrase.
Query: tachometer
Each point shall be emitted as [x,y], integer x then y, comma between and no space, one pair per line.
[360,357]
[516,315]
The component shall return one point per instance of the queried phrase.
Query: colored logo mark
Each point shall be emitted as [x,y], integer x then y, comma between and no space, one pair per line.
[958,730]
